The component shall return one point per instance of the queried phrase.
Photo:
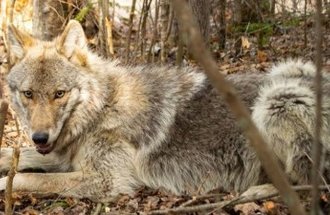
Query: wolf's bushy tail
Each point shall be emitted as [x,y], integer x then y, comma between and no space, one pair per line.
[284,112]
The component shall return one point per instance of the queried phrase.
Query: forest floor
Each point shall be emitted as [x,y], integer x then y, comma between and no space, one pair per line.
[288,42]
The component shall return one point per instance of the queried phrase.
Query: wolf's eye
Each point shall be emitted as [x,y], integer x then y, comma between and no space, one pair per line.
[59,94]
[28,94]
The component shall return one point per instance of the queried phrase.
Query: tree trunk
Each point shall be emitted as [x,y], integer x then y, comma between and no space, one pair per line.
[327,9]
[48,18]
[237,15]
[104,47]
[128,42]
[237,20]
[222,23]
[164,17]
[272,7]
[201,10]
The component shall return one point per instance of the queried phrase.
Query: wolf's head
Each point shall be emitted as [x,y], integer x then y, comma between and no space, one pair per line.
[49,85]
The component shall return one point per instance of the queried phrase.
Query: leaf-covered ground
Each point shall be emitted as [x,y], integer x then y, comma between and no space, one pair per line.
[287,41]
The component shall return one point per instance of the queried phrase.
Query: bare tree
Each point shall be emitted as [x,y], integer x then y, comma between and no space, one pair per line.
[317,146]
[48,18]
[201,10]
[164,18]
[104,46]
[151,53]
[327,9]
[272,6]
[222,23]
[128,42]
[143,30]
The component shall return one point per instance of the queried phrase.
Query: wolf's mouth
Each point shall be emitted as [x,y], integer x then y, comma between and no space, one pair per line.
[44,149]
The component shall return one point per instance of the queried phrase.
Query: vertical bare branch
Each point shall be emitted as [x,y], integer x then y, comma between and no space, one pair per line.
[3,113]
[137,38]
[179,53]
[9,185]
[10,20]
[170,23]
[15,156]
[222,22]
[144,15]
[4,104]
[272,7]
[113,9]
[317,146]
[103,32]
[203,56]
[305,24]
[164,15]
[48,18]
[154,35]
[108,27]
[130,24]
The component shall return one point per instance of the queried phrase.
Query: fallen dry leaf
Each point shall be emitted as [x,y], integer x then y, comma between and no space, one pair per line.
[245,42]
[271,208]
[247,208]
[262,56]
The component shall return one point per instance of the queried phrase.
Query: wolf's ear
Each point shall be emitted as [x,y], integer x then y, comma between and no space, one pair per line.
[73,36]
[19,41]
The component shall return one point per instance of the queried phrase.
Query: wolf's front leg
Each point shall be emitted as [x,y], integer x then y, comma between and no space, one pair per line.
[31,159]
[75,184]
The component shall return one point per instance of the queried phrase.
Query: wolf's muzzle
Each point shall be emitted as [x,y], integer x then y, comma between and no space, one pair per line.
[41,139]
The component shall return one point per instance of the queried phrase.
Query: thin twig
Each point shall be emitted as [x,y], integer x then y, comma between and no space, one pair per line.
[317,146]
[17,127]
[203,56]
[103,31]
[9,182]
[319,172]
[201,197]
[305,24]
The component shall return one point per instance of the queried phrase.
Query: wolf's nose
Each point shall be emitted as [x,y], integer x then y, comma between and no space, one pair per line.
[40,138]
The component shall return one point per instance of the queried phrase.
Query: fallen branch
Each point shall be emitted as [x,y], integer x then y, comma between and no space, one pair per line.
[257,193]
[198,198]
[98,209]
[189,29]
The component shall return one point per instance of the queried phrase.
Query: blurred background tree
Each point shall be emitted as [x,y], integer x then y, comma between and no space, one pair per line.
[146,31]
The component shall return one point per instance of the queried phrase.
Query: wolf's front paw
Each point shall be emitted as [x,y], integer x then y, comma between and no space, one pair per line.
[5,160]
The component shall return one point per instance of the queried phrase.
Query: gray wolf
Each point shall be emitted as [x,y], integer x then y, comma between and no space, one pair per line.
[101,129]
